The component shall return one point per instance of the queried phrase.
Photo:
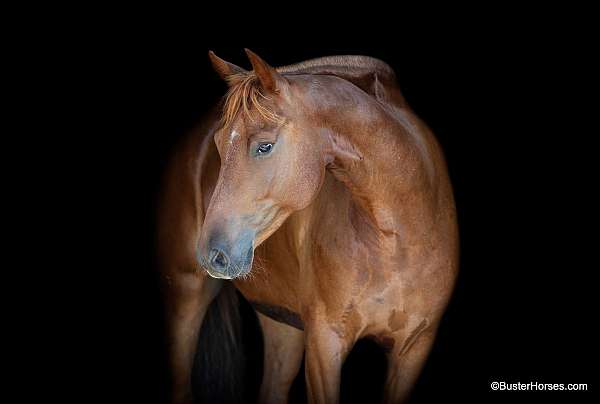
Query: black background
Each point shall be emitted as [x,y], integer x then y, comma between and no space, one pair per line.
[498,95]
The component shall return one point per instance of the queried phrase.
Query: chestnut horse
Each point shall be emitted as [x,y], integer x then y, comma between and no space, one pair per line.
[327,203]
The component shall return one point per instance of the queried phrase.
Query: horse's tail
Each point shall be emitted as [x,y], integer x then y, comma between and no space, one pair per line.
[220,362]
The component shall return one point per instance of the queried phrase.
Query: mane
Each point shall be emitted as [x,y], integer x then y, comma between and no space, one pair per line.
[245,93]
[346,66]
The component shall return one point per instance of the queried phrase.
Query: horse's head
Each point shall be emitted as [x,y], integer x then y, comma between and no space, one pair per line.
[272,164]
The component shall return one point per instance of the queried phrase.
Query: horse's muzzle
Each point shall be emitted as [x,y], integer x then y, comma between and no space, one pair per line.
[224,260]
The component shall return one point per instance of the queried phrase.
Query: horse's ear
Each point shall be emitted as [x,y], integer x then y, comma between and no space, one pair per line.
[269,78]
[223,68]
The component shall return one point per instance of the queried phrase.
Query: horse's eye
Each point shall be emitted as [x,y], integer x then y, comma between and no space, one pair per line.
[264,148]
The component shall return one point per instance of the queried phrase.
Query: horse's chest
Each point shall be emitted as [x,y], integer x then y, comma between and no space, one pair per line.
[271,301]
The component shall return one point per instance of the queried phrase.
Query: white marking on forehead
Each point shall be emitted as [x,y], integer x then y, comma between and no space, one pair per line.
[233,135]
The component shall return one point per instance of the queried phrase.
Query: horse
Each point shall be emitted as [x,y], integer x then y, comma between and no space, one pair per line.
[317,193]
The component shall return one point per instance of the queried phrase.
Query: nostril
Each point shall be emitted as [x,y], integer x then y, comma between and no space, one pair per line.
[218,260]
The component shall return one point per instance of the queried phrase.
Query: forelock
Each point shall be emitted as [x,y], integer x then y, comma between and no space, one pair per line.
[244,95]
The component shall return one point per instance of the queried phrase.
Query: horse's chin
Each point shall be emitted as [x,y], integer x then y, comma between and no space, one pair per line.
[268,231]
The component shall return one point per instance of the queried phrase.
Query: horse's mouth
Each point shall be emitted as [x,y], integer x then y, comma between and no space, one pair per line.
[217,275]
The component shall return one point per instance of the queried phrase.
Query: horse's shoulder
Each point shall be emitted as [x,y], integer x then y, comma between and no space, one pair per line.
[190,174]
[209,162]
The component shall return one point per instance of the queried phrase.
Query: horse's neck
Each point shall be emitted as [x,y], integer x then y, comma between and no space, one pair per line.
[375,159]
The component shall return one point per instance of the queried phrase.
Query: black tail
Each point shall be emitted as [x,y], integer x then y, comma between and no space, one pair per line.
[220,364]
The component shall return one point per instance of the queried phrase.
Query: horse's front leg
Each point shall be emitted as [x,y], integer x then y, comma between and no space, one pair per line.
[187,297]
[284,347]
[326,351]
[405,363]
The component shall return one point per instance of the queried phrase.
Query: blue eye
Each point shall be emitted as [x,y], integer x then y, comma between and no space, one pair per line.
[264,148]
